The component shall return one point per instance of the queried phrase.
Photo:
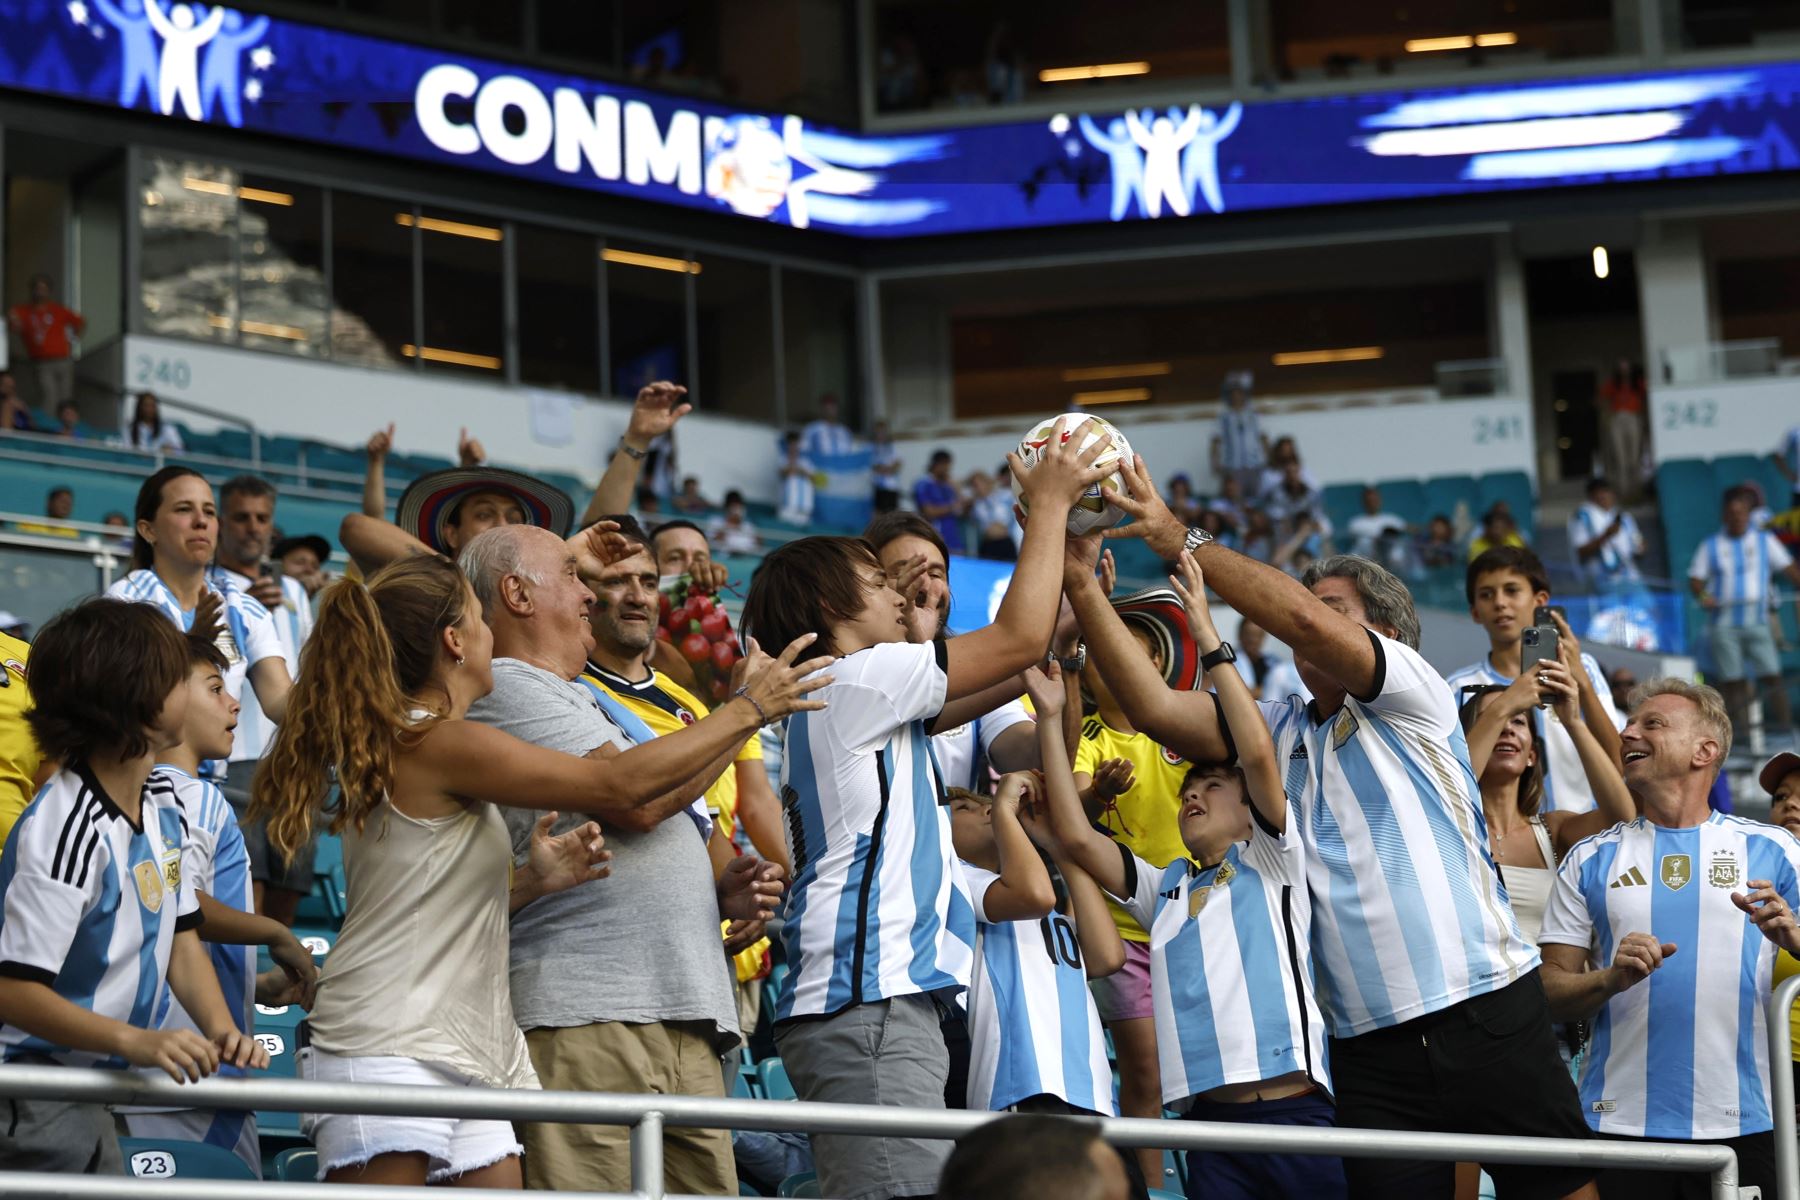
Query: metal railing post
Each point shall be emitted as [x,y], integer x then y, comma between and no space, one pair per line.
[647,1156]
[1781,1088]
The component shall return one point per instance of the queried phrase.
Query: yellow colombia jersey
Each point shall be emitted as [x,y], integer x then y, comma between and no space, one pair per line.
[666,707]
[1147,819]
[19,756]
[1785,965]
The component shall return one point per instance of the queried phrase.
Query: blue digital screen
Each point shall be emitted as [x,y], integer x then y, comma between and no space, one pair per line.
[212,64]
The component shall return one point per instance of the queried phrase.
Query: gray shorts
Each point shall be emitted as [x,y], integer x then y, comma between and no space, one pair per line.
[1745,651]
[890,1052]
[266,866]
[60,1136]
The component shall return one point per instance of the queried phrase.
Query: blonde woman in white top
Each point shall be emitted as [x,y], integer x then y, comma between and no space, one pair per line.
[416,989]
[1508,761]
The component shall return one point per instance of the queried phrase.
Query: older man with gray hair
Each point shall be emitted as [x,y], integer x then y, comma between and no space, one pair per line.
[1664,930]
[627,990]
[1424,979]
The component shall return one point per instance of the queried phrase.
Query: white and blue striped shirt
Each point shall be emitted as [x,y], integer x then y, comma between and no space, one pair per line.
[246,636]
[90,904]
[1240,438]
[1231,980]
[293,623]
[826,439]
[1409,915]
[1736,572]
[1566,787]
[878,907]
[1033,1027]
[797,493]
[216,862]
[1616,562]
[1683,1054]
[962,753]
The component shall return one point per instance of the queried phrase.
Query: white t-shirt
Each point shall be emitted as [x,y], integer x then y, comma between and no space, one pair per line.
[955,748]
[293,623]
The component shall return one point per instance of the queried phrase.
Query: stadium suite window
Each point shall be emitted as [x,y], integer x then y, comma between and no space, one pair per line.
[371,280]
[281,254]
[646,312]
[187,271]
[818,345]
[735,328]
[558,285]
[462,260]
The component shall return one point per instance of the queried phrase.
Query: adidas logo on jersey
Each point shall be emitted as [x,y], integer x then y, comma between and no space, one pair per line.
[1631,878]
[1299,752]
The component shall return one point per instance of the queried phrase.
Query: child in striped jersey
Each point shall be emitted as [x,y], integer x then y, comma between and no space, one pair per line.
[218,865]
[1036,1042]
[1237,1027]
[96,912]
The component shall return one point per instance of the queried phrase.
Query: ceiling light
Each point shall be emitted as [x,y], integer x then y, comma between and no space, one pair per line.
[1096,71]
[1496,39]
[214,188]
[1113,396]
[1602,263]
[656,262]
[1460,42]
[1307,358]
[459,358]
[1127,371]
[483,233]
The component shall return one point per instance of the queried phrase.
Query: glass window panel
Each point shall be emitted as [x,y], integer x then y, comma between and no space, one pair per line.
[483,21]
[186,269]
[818,335]
[559,309]
[580,30]
[736,331]
[282,251]
[464,289]
[1769,24]
[646,310]
[371,280]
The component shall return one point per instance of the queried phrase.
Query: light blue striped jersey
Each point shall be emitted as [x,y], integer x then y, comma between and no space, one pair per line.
[216,862]
[878,907]
[1736,572]
[826,439]
[1684,1054]
[798,493]
[1240,438]
[1033,1027]
[293,623]
[1231,977]
[90,903]
[1566,787]
[246,637]
[1409,915]
[1616,563]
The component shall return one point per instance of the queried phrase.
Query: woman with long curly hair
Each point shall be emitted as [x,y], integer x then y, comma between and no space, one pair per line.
[416,989]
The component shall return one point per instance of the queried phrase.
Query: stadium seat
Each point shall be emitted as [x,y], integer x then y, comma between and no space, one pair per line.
[172,1158]
[1447,493]
[806,1183]
[1405,498]
[1342,501]
[297,1165]
[1514,487]
[1166,1194]
[772,1075]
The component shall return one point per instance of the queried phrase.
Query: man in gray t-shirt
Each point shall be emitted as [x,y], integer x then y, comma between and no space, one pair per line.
[622,986]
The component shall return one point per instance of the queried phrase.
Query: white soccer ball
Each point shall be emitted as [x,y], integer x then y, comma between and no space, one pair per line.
[1091,512]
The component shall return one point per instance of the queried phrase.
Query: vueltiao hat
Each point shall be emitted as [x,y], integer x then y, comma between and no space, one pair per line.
[431,500]
[1159,613]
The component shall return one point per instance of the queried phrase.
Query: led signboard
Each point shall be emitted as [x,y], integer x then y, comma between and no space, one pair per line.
[191,62]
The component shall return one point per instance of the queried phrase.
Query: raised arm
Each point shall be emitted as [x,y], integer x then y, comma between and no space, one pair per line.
[1102,949]
[1317,632]
[374,492]
[1522,695]
[1023,627]
[1186,722]
[1081,843]
[1612,799]
[1023,892]
[1596,713]
[373,543]
[1249,732]
[655,412]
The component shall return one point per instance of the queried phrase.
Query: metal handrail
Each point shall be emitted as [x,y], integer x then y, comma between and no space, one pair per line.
[646,1115]
[217,414]
[1781,1088]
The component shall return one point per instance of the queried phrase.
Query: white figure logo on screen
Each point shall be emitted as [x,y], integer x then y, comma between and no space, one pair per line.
[1200,161]
[1127,161]
[182,38]
[1164,160]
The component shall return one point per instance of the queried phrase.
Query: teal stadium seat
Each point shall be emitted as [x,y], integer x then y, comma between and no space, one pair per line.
[1514,487]
[1405,498]
[171,1158]
[805,1184]
[1342,502]
[772,1075]
[1447,493]
[297,1165]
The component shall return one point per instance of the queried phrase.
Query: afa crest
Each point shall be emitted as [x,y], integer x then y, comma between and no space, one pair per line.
[1723,871]
[1677,871]
[1343,729]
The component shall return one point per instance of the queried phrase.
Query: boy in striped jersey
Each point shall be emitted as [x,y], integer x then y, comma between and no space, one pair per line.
[217,863]
[1238,1031]
[96,911]
[1729,576]
[1646,932]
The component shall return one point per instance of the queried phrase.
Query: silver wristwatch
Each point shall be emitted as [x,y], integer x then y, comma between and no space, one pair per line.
[1076,661]
[1196,538]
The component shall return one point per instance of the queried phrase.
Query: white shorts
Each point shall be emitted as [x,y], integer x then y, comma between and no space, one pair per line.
[451,1147]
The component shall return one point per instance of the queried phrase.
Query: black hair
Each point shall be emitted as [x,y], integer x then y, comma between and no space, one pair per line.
[1023,1157]
[1516,559]
[630,528]
[672,526]
[1597,484]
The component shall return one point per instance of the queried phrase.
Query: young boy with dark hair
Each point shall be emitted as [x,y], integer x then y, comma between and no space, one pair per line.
[96,911]
[217,864]
[1506,586]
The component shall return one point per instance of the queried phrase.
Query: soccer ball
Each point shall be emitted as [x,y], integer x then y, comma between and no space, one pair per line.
[1091,512]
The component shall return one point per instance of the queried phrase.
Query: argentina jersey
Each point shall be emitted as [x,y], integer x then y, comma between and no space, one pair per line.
[246,635]
[1230,970]
[962,753]
[216,862]
[878,907]
[1240,438]
[1736,573]
[90,904]
[292,625]
[1566,786]
[1683,1054]
[1033,1027]
[1409,915]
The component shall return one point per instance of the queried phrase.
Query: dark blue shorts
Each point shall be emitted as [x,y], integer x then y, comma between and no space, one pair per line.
[1234,1175]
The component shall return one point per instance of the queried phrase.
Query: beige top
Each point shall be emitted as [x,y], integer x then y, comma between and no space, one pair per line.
[420,968]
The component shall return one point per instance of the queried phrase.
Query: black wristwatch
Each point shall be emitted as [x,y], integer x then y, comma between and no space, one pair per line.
[1224,654]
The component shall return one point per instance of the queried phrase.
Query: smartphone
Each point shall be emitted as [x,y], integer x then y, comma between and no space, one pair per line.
[1541,616]
[273,570]
[1537,644]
